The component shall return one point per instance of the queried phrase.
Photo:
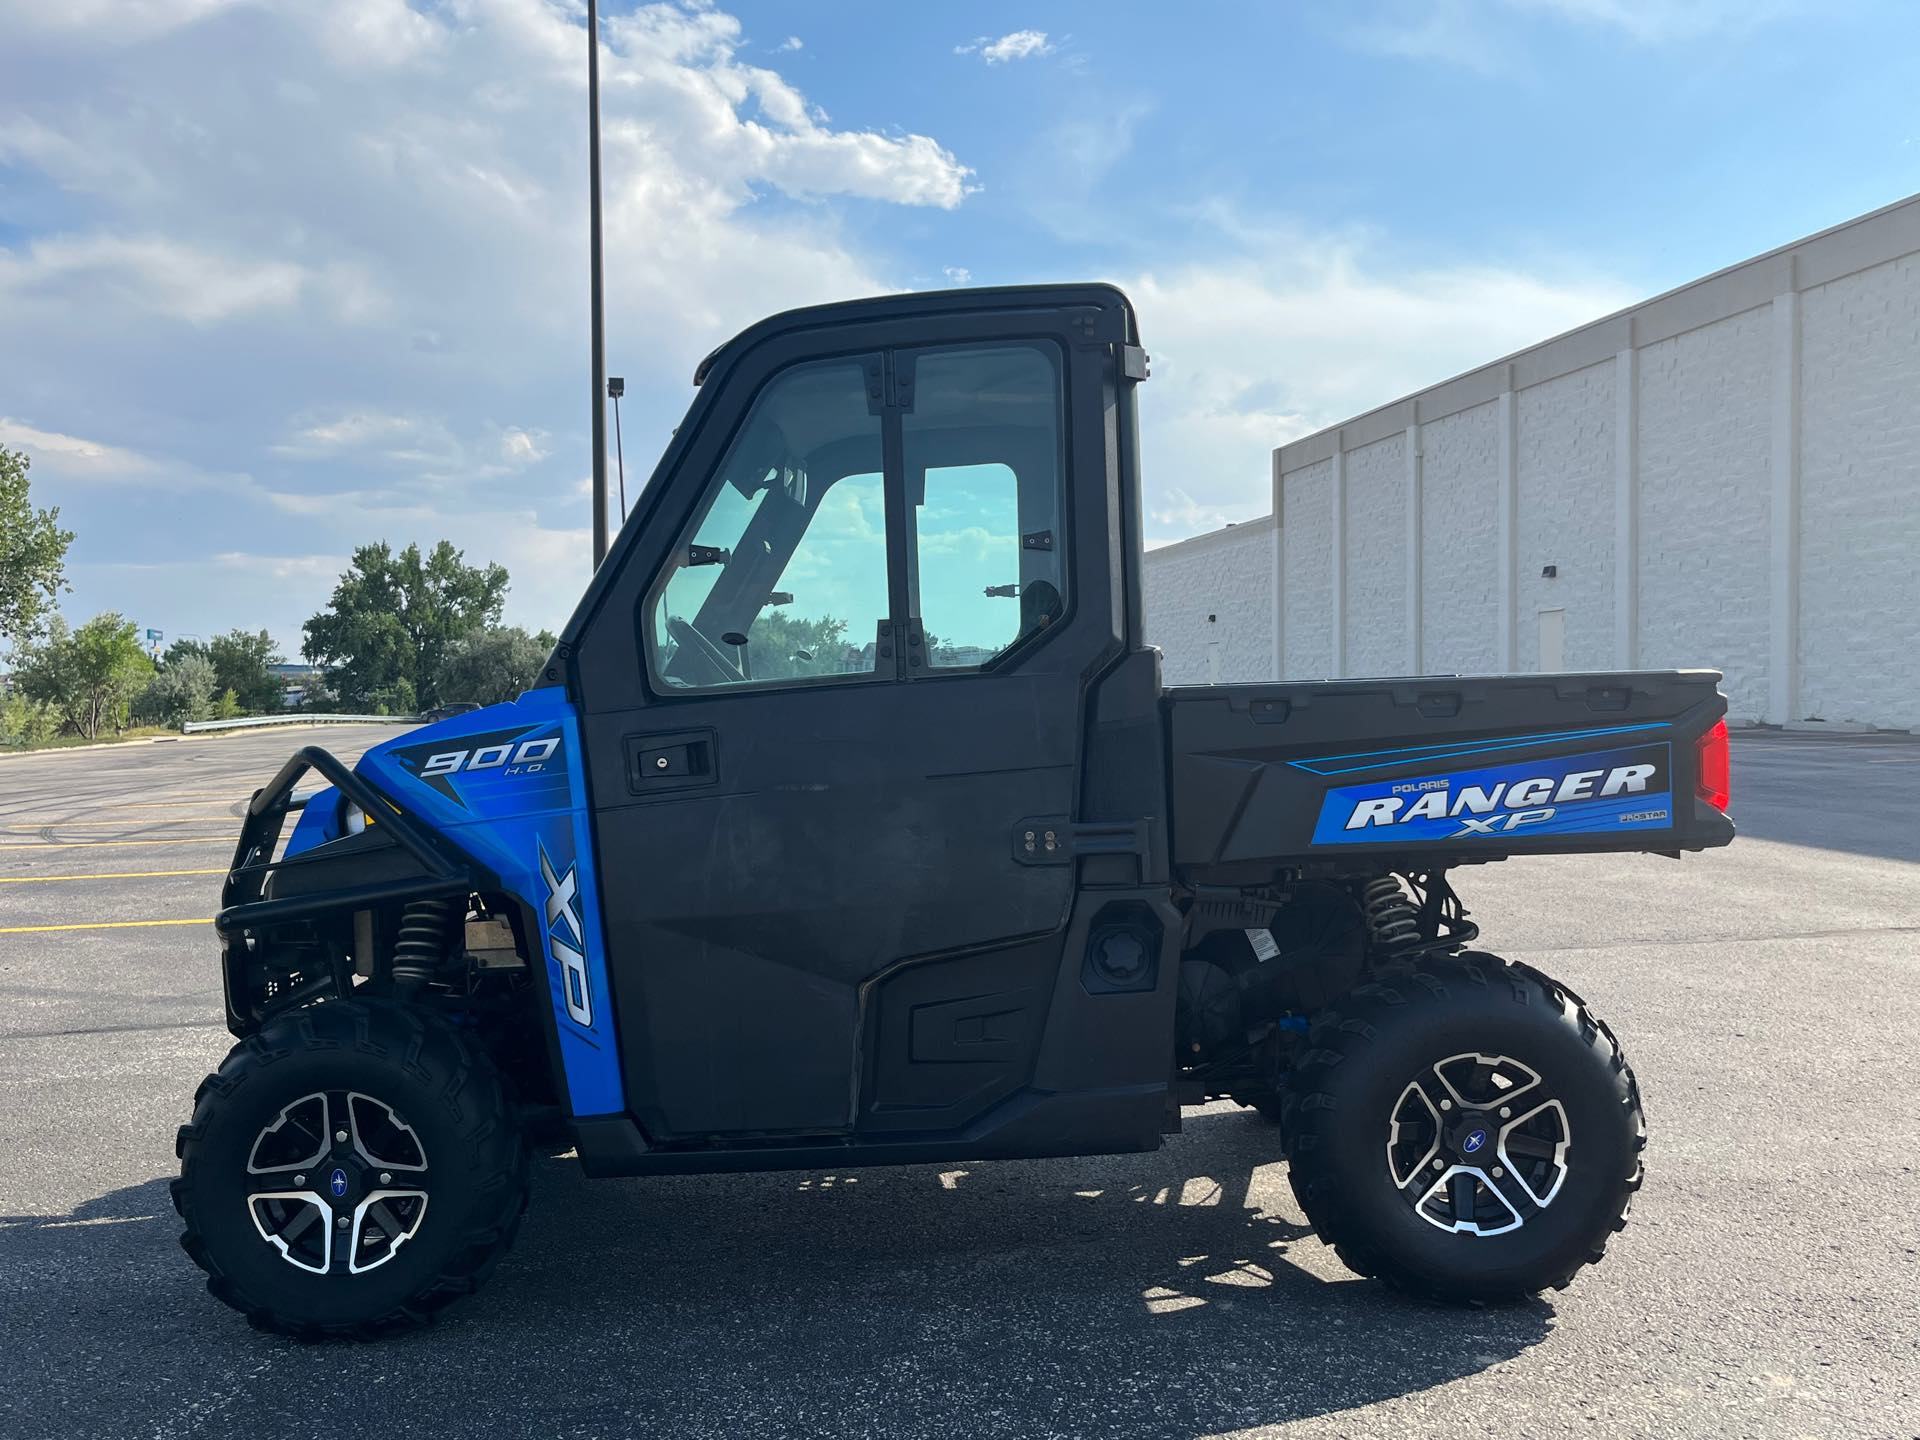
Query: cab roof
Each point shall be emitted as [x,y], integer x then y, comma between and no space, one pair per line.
[923,302]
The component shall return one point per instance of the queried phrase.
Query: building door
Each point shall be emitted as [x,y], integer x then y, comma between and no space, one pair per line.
[1553,641]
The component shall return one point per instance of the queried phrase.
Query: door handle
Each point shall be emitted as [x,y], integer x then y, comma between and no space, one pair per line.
[680,760]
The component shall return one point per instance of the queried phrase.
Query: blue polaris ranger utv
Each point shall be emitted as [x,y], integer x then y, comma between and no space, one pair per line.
[851,824]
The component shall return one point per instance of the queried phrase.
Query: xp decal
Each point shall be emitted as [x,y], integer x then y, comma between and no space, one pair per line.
[1596,793]
[566,937]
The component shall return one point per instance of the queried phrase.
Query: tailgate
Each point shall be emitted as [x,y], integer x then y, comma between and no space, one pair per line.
[1442,769]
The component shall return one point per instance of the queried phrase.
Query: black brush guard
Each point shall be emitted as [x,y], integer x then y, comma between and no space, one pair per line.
[246,909]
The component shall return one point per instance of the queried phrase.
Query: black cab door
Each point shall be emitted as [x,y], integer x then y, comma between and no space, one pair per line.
[831,682]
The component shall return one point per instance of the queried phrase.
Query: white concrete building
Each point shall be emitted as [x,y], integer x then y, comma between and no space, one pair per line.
[1726,475]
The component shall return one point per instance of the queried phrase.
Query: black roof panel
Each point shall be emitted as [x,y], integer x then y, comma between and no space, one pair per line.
[920,302]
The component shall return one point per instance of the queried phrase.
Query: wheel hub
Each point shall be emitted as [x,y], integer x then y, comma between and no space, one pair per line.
[337,1183]
[1469,1138]
[1477,1145]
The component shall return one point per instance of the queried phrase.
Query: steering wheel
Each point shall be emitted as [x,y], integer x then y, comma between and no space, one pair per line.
[691,642]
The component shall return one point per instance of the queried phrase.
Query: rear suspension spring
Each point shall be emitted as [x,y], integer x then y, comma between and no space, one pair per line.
[1393,924]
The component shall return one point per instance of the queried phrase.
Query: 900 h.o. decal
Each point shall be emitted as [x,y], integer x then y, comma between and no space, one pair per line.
[1613,790]
[530,758]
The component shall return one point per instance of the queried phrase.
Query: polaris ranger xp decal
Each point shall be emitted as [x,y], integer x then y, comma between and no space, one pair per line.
[1587,794]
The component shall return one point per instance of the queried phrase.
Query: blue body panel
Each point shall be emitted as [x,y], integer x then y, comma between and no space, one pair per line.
[505,786]
[318,823]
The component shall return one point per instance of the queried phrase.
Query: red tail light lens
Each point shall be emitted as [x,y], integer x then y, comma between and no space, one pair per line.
[1715,778]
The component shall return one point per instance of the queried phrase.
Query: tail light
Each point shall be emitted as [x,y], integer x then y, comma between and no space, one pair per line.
[1713,780]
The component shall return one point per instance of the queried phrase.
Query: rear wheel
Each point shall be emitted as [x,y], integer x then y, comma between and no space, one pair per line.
[351,1169]
[1463,1128]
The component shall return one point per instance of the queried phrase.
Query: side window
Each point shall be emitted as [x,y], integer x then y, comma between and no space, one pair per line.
[783,574]
[982,455]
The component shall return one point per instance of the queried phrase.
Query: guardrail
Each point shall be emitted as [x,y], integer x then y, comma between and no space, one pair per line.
[194,727]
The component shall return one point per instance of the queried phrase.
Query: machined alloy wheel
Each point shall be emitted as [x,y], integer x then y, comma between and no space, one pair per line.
[1464,1128]
[1477,1145]
[337,1183]
[352,1168]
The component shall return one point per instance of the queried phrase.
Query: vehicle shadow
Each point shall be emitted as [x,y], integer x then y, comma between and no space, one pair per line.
[1170,1294]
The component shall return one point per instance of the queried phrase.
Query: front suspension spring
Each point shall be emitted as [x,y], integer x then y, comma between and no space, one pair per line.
[426,928]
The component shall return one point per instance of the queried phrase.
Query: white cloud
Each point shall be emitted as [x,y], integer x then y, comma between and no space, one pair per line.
[1659,22]
[104,22]
[69,454]
[1479,35]
[790,44]
[381,34]
[329,261]
[357,430]
[958,275]
[1452,32]
[522,447]
[1299,331]
[1019,45]
[150,272]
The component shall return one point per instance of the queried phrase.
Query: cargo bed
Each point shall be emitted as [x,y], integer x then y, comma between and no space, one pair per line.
[1439,770]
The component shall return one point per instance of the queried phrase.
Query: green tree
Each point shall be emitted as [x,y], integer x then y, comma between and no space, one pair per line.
[240,660]
[33,554]
[87,675]
[782,645]
[182,649]
[392,618]
[26,722]
[181,692]
[491,666]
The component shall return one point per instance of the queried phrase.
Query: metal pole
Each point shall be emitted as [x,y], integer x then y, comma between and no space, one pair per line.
[599,317]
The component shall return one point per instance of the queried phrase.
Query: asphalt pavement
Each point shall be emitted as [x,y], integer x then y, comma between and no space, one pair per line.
[1768,1285]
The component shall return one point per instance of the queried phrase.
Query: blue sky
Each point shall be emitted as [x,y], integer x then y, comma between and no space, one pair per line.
[278,278]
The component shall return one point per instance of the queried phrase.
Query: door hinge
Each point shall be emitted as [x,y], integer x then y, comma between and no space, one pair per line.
[1134,363]
[900,381]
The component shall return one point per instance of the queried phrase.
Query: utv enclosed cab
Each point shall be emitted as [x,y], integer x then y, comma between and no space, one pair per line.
[851,824]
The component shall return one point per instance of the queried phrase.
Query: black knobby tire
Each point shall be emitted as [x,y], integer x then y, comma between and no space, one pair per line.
[1270,1105]
[1361,1053]
[426,1071]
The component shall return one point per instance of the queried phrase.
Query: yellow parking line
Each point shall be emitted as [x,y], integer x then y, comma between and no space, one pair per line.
[107,875]
[104,844]
[97,925]
[179,800]
[108,820]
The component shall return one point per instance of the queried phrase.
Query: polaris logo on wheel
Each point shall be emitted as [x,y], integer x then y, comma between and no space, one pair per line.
[1569,795]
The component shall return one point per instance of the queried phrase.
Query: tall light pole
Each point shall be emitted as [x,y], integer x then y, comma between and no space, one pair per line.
[598,300]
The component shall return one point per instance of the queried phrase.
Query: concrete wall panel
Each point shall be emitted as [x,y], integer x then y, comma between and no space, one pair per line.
[1459,528]
[1564,512]
[1860,497]
[1704,504]
[1376,568]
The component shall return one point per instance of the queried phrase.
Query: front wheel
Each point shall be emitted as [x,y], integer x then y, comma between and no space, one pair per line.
[350,1169]
[1464,1129]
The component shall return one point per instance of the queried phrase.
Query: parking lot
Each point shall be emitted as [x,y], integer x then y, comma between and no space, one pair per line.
[1768,1285]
